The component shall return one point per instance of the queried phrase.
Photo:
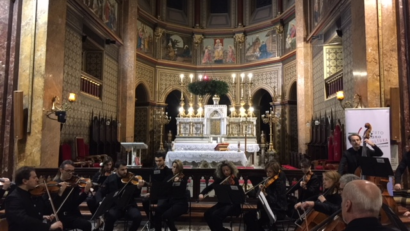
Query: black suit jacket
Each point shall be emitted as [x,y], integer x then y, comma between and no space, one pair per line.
[312,189]
[71,205]
[351,158]
[368,223]
[113,184]
[404,163]
[24,212]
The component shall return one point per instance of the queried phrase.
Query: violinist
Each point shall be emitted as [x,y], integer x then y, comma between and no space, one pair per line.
[177,203]
[98,179]
[226,173]
[23,211]
[329,203]
[275,192]
[351,157]
[309,185]
[126,191]
[159,174]
[361,204]
[70,197]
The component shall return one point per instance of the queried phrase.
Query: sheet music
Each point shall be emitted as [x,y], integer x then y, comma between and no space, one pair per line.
[266,206]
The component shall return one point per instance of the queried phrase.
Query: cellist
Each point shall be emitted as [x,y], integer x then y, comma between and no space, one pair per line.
[351,157]
[275,192]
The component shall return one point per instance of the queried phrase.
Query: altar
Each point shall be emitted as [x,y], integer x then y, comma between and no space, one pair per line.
[197,137]
[205,159]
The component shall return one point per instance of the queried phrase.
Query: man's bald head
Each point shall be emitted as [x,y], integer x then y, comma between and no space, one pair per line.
[360,199]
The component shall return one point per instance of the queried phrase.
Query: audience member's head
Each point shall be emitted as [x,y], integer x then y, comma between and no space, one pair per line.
[346,178]
[360,199]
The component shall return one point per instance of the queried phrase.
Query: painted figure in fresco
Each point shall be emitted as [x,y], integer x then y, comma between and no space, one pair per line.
[231,55]
[186,52]
[207,56]
[171,52]
[291,38]
[219,55]
[217,44]
[264,54]
[141,38]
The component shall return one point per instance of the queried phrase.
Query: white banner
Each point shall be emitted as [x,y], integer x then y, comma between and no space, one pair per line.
[379,120]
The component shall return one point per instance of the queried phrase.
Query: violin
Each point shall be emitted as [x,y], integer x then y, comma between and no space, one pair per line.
[177,177]
[78,181]
[306,178]
[269,182]
[41,189]
[131,178]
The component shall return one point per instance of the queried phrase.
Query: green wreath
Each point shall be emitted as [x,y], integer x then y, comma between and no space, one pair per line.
[208,87]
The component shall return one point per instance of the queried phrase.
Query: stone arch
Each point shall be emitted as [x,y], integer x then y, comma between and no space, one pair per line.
[167,91]
[291,91]
[146,86]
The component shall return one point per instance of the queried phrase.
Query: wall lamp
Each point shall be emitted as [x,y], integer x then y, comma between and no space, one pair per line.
[357,101]
[60,110]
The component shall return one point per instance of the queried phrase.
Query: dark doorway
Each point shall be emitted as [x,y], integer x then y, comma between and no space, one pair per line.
[261,101]
[173,103]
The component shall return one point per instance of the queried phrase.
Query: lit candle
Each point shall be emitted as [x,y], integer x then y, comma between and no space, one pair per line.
[191,76]
[250,75]
[233,78]
[200,77]
[242,76]
[182,77]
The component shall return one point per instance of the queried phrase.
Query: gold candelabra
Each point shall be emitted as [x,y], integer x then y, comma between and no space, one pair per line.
[271,119]
[163,119]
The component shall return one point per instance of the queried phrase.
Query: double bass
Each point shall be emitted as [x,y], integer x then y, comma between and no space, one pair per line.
[381,182]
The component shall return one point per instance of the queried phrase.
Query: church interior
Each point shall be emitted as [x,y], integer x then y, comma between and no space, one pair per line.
[256,80]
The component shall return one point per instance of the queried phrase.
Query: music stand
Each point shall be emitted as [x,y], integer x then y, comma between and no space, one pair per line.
[376,166]
[133,147]
[266,206]
[105,205]
[232,194]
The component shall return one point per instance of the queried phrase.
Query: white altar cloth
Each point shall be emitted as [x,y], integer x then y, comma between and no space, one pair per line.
[210,147]
[209,156]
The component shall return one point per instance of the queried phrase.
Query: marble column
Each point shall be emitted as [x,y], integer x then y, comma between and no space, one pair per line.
[303,78]
[41,78]
[9,29]
[126,90]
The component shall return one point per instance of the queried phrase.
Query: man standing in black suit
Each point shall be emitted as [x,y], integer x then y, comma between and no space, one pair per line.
[24,212]
[351,157]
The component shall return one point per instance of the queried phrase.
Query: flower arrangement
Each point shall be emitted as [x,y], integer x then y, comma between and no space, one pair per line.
[208,87]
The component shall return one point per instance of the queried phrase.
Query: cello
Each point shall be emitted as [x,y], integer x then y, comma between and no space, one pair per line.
[313,218]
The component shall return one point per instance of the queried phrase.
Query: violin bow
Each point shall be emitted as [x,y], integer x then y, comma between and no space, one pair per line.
[68,195]
[51,201]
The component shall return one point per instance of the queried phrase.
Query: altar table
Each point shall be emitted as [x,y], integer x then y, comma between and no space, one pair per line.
[208,156]
[211,146]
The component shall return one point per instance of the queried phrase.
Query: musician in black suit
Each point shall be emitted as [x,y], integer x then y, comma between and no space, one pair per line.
[159,174]
[274,189]
[361,204]
[351,157]
[226,173]
[70,197]
[309,186]
[98,179]
[124,203]
[176,203]
[23,211]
